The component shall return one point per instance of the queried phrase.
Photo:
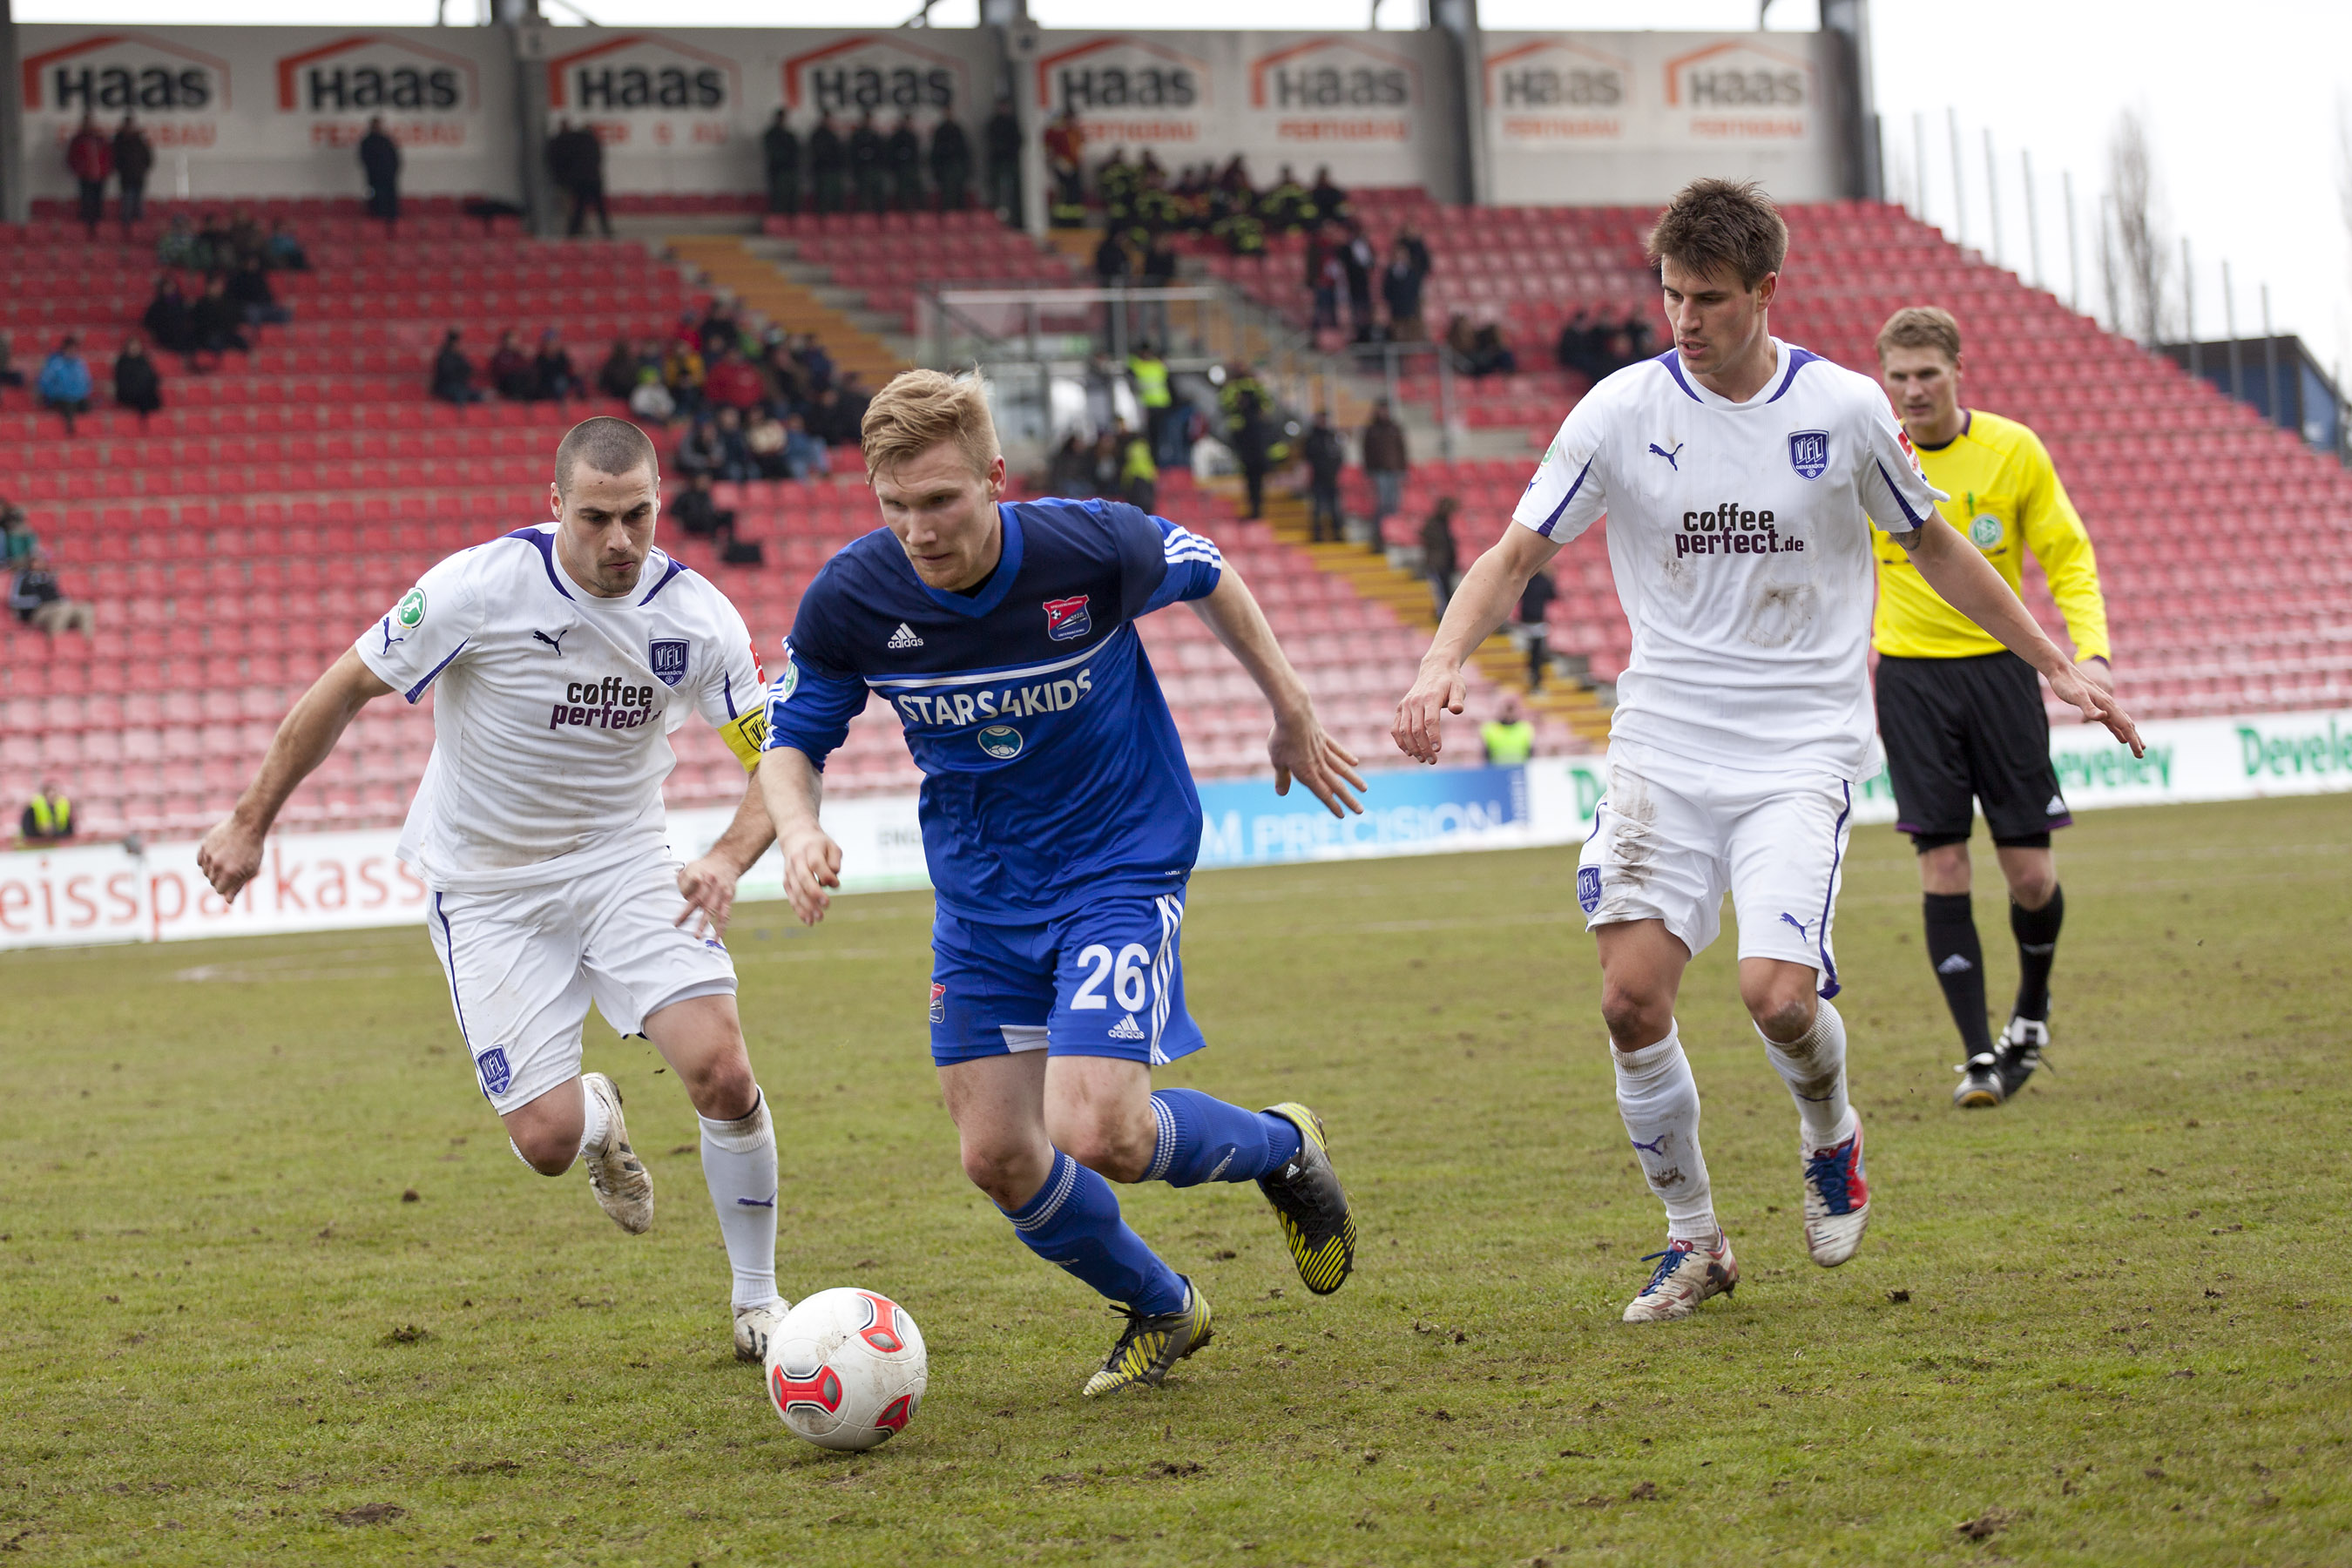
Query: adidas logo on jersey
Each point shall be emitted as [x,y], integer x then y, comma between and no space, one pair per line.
[2057,806]
[903,638]
[1126,1029]
[1955,964]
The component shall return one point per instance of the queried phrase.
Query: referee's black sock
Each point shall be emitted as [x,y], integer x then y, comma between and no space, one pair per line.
[1958,959]
[2037,949]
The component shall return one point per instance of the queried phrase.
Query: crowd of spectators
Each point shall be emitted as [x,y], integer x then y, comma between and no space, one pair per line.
[1594,345]
[869,169]
[127,157]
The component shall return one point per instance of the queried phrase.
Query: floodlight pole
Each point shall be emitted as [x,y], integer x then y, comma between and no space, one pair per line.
[2230,320]
[16,201]
[2073,251]
[2033,220]
[2270,366]
[1960,197]
[1919,165]
[1993,194]
[2188,310]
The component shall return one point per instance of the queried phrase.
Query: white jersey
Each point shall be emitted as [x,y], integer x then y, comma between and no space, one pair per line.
[551,732]
[1739,540]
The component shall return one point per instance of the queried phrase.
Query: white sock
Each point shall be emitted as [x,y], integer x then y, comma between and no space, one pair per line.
[595,1121]
[1813,1067]
[1659,1100]
[739,1162]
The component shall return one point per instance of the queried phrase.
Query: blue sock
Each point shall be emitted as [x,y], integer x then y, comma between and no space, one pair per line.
[1074,1222]
[1205,1140]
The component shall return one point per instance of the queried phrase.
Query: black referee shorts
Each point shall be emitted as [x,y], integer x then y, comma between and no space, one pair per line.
[1958,729]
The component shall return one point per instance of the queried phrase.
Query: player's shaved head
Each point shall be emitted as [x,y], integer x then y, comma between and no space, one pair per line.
[1718,227]
[607,445]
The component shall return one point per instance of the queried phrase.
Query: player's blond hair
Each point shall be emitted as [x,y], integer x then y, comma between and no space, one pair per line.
[1714,224]
[920,409]
[1921,327]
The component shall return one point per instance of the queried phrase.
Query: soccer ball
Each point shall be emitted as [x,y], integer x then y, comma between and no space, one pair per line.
[846,1369]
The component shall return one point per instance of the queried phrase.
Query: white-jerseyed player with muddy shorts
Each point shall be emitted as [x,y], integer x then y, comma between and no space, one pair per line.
[561,657]
[1739,475]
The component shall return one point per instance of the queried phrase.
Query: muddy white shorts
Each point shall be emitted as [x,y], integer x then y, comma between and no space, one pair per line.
[1673,836]
[524,964]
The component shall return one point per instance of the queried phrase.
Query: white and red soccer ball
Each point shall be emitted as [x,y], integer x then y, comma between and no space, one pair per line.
[846,1369]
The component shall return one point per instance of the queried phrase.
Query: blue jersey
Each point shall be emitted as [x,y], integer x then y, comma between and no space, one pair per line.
[1052,772]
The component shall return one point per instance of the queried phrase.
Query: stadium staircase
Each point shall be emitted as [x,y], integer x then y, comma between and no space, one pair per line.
[2229,581]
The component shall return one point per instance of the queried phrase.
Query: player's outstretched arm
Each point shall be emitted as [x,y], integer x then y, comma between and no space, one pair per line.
[708,883]
[1297,746]
[1969,583]
[231,852]
[1489,593]
[790,786]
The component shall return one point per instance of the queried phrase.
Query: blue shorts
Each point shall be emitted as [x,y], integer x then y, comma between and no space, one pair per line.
[1107,980]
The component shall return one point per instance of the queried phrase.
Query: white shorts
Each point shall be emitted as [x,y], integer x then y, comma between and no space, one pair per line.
[523,966]
[1673,836]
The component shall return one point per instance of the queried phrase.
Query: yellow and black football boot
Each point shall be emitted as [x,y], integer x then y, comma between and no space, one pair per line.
[1152,1343]
[1312,1205]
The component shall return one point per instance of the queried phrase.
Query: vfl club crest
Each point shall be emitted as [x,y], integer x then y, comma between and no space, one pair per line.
[1809,453]
[668,656]
[1066,620]
[496,1075]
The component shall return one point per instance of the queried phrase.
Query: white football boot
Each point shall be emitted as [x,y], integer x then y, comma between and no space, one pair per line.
[753,1327]
[623,1187]
[1837,1200]
[1688,1272]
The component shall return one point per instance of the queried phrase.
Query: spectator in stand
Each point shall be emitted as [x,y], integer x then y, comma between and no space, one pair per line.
[558,377]
[134,160]
[1409,238]
[248,286]
[177,247]
[245,241]
[682,373]
[803,453]
[575,160]
[167,318]
[854,398]
[764,437]
[1066,152]
[902,151]
[1148,373]
[216,325]
[1327,455]
[89,157]
[732,383]
[814,362]
[41,604]
[951,163]
[1401,282]
[1071,471]
[1138,475]
[9,374]
[1003,136]
[1491,353]
[828,165]
[136,385]
[1385,464]
[1112,262]
[1535,624]
[64,385]
[1327,280]
[453,372]
[1362,262]
[18,543]
[1325,202]
[650,401]
[868,165]
[780,150]
[1252,444]
[698,450]
[735,462]
[214,254]
[781,375]
[47,817]
[380,162]
[511,373]
[1438,559]
[618,376]
[698,512]
[281,252]
[828,419]
[718,330]
[1508,739]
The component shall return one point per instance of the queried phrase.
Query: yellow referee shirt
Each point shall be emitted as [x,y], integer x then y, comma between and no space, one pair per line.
[2006,500]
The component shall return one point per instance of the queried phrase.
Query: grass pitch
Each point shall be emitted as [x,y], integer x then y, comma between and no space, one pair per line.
[2103,1324]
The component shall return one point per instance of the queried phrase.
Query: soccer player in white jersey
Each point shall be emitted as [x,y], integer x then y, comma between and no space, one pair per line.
[562,655]
[1738,473]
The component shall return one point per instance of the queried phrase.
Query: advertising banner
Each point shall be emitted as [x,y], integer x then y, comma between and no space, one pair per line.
[1596,118]
[325,882]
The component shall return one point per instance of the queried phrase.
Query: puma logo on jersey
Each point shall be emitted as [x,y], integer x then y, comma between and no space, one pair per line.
[903,638]
[1655,1146]
[1793,921]
[388,638]
[1670,456]
[1126,1029]
[555,642]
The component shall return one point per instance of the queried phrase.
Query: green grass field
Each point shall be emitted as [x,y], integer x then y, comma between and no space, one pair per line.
[2103,1324]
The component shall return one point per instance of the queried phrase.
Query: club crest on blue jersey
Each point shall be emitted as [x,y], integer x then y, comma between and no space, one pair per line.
[1809,453]
[1001,741]
[668,656]
[1588,887]
[1066,620]
[495,1074]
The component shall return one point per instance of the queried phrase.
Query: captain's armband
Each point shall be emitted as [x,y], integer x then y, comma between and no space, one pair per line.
[747,737]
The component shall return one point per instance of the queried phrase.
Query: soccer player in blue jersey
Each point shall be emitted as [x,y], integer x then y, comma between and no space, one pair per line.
[1060,824]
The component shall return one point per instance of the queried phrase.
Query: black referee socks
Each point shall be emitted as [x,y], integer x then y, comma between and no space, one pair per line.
[2037,949]
[1959,961]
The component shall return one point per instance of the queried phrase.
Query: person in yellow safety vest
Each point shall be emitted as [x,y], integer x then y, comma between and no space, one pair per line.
[1138,475]
[1152,389]
[48,817]
[1509,738]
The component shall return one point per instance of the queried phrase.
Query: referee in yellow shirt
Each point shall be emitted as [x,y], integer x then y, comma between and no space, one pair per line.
[1961,716]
